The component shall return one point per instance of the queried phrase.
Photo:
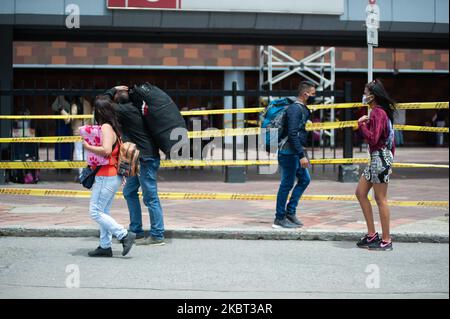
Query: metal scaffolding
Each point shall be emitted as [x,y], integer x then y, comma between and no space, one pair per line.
[318,68]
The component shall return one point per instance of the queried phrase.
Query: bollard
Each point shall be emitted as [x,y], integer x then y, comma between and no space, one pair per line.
[235,174]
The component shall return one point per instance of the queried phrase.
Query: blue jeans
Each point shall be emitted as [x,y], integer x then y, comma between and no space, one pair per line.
[103,192]
[147,180]
[290,169]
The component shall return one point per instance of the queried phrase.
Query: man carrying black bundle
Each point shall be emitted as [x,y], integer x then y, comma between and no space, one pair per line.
[134,130]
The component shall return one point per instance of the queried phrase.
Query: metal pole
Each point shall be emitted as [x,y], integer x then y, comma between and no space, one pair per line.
[270,74]
[6,83]
[370,64]
[261,67]
[348,132]
[234,106]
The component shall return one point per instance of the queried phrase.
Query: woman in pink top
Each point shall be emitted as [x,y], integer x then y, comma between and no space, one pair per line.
[378,131]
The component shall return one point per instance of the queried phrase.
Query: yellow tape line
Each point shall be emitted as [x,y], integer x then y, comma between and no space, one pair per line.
[422,106]
[209,196]
[225,132]
[402,106]
[44,139]
[86,117]
[206,163]
[335,106]
[229,132]
[421,128]
[193,134]
[224,111]
[45,117]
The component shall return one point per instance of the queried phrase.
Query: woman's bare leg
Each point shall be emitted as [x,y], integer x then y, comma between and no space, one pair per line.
[383,207]
[361,193]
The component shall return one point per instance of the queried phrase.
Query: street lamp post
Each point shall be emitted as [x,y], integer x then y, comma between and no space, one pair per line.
[372,24]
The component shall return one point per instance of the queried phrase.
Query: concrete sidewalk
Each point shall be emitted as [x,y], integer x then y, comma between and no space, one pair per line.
[324,220]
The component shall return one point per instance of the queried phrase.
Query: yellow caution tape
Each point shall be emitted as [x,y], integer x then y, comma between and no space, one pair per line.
[229,132]
[253,122]
[421,128]
[205,163]
[422,106]
[224,111]
[193,134]
[330,125]
[419,203]
[47,139]
[411,165]
[86,117]
[42,165]
[335,106]
[45,117]
[225,132]
[402,106]
[211,163]
[210,196]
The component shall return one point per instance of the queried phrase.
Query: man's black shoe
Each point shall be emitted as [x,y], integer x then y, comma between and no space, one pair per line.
[283,223]
[101,252]
[140,236]
[127,242]
[294,220]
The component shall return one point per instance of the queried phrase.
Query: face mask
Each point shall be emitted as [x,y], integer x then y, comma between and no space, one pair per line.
[366,99]
[311,99]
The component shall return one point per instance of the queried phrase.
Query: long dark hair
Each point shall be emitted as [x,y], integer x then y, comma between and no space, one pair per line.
[79,103]
[106,113]
[382,98]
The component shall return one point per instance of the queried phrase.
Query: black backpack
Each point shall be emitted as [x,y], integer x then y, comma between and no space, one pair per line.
[161,115]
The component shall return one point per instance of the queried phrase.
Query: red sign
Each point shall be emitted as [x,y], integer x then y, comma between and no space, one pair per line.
[145,4]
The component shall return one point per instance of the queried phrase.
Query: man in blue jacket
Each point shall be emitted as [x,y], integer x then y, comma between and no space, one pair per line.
[292,158]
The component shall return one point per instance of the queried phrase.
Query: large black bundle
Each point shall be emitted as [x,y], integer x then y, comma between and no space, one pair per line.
[161,116]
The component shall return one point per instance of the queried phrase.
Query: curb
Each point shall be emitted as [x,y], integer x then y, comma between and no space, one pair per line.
[238,234]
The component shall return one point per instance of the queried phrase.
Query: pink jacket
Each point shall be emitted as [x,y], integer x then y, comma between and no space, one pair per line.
[376,131]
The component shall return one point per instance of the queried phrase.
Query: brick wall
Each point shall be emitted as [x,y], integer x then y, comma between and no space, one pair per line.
[212,55]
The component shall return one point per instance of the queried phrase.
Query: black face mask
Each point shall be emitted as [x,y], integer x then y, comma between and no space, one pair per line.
[311,100]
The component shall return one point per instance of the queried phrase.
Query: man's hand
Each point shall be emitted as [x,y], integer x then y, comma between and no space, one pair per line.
[363,118]
[304,162]
[121,88]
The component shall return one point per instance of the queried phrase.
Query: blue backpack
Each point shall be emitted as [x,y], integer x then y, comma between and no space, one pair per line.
[273,121]
[390,140]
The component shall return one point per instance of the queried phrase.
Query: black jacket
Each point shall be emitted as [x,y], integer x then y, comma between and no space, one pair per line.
[133,128]
[297,115]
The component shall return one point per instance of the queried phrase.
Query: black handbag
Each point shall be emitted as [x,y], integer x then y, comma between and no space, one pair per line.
[87,176]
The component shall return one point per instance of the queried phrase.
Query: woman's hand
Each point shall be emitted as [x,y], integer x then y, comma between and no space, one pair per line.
[86,145]
[363,119]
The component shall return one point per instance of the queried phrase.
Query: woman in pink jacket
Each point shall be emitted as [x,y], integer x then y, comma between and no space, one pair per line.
[377,130]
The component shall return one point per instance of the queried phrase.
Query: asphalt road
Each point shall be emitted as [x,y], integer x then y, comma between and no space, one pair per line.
[60,268]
